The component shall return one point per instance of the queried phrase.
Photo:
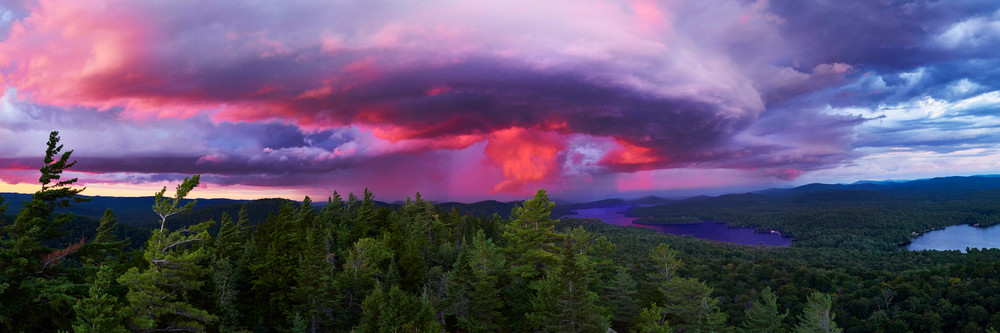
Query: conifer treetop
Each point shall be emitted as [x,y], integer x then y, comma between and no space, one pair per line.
[168,207]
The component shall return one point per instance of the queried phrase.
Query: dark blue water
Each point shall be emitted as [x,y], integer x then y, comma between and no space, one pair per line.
[705,230]
[958,237]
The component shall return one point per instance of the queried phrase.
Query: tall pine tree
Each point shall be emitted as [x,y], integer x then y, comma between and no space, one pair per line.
[160,296]
[531,251]
[35,288]
[564,301]
[474,290]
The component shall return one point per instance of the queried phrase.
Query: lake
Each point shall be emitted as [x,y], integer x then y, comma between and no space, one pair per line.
[958,237]
[705,230]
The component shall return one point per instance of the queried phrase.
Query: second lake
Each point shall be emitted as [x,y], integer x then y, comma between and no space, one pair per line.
[705,230]
[958,237]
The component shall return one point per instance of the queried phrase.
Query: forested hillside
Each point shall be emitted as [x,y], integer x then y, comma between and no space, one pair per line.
[848,217]
[356,265]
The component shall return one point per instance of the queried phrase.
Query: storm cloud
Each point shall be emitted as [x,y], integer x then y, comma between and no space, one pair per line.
[505,96]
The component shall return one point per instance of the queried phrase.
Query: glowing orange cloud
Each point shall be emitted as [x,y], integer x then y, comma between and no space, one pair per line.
[524,156]
[631,157]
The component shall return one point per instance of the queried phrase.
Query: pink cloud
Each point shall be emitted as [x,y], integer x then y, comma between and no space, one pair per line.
[541,91]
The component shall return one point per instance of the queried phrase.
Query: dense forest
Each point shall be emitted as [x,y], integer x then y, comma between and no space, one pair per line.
[352,264]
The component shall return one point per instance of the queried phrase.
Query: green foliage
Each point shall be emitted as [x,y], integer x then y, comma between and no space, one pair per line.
[98,312]
[762,316]
[621,294]
[358,264]
[364,264]
[856,219]
[35,285]
[666,261]
[161,296]
[564,302]
[531,251]
[652,320]
[396,311]
[474,286]
[816,317]
[532,236]
[106,228]
[168,207]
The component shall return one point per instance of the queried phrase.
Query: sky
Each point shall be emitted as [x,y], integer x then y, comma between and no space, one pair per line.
[491,99]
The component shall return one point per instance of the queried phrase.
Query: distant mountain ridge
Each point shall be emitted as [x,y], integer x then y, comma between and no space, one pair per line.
[136,210]
[939,186]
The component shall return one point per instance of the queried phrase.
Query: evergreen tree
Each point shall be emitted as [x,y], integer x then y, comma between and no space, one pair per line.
[98,312]
[334,215]
[564,302]
[35,289]
[531,251]
[474,286]
[763,316]
[361,270]
[532,237]
[396,311]
[816,317]
[652,320]
[105,249]
[364,212]
[688,306]
[106,228]
[168,207]
[666,262]
[160,296]
[620,294]
[313,288]
[228,273]
[277,245]
[686,303]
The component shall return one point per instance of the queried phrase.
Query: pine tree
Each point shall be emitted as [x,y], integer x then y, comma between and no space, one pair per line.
[620,293]
[685,303]
[816,317]
[396,311]
[106,248]
[360,272]
[159,296]
[227,274]
[652,320]
[168,207]
[763,316]
[106,228]
[364,212]
[274,268]
[474,286]
[531,251]
[334,215]
[532,237]
[666,262]
[98,312]
[564,302]
[688,306]
[35,289]
[313,289]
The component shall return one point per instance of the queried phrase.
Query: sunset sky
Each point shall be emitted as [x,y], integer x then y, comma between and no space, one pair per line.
[470,100]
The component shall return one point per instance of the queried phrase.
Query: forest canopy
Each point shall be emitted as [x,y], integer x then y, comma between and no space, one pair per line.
[351,264]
